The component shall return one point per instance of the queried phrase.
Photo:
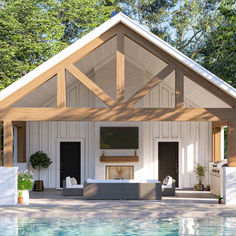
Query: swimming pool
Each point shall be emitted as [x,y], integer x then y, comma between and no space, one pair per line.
[117,226]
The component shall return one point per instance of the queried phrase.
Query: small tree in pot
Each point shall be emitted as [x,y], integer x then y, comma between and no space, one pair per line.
[37,160]
[199,172]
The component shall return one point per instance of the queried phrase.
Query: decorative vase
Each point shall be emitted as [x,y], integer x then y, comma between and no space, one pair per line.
[200,187]
[38,185]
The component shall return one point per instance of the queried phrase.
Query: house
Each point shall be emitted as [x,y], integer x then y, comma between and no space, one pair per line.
[119,75]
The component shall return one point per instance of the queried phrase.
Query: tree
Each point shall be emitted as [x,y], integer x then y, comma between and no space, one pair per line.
[31,32]
[218,54]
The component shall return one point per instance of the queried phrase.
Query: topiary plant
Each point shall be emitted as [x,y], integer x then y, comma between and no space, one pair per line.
[40,159]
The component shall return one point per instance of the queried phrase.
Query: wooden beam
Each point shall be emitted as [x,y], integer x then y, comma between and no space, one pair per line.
[219,123]
[61,88]
[87,82]
[191,74]
[42,78]
[216,144]
[120,68]
[21,140]
[149,86]
[179,88]
[107,114]
[232,143]
[8,143]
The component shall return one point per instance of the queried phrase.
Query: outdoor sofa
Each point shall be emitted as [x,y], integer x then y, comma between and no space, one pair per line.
[95,189]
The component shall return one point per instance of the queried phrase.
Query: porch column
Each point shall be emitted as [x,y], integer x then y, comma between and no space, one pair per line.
[216,144]
[8,143]
[0,143]
[232,143]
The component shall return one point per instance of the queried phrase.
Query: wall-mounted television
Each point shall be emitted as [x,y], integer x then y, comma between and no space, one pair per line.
[118,137]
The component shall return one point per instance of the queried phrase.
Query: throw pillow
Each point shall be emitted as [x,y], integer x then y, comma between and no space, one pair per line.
[73,181]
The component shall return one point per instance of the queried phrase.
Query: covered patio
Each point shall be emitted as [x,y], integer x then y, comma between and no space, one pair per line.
[119,75]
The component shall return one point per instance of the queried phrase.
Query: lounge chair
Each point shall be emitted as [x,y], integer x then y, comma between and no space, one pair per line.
[72,190]
[168,186]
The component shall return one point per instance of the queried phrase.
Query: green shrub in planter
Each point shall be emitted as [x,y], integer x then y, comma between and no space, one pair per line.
[40,159]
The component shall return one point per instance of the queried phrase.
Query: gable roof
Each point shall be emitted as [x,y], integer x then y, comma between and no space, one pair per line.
[119,18]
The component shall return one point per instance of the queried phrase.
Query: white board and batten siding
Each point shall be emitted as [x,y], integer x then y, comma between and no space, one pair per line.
[194,137]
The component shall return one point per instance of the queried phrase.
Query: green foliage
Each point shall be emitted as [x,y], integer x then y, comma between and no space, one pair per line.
[31,32]
[199,172]
[25,180]
[218,54]
[40,159]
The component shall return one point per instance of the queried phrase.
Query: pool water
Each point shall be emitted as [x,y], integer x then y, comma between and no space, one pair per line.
[117,226]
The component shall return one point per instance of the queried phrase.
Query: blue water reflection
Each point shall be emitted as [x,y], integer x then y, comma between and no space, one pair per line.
[117,226]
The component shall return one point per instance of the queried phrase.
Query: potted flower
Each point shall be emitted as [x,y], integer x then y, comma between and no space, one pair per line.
[39,159]
[199,172]
[220,199]
[208,188]
[24,184]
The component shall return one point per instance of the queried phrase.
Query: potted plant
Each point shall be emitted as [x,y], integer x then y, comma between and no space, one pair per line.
[24,184]
[195,187]
[208,188]
[39,159]
[199,172]
[135,153]
[220,199]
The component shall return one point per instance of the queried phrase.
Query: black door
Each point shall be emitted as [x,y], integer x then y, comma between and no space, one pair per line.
[168,160]
[70,162]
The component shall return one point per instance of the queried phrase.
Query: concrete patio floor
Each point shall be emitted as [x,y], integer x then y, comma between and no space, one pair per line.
[51,203]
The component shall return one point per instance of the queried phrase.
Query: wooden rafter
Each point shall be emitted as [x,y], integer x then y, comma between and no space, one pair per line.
[149,86]
[120,67]
[76,56]
[191,74]
[61,88]
[8,143]
[114,114]
[179,88]
[94,88]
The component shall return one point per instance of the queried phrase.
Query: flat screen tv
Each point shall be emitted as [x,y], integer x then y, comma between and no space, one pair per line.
[119,137]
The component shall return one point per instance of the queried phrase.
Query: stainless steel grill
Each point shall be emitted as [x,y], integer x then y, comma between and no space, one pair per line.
[216,177]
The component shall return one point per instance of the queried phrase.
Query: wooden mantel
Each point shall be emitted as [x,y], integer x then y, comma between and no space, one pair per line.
[119,158]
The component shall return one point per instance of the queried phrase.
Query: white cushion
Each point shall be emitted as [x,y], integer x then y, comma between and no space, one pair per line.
[68,182]
[122,181]
[76,186]
[166,186]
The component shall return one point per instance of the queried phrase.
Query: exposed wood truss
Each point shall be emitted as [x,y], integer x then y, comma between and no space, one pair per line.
[149,86]
[120,67]
[76,56]
[191,74]
[179,88]
[61,88]
[94,88]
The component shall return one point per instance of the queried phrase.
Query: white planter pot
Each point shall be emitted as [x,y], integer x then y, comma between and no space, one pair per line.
[25,196]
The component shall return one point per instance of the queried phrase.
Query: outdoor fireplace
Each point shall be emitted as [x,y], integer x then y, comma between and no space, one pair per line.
[119,172]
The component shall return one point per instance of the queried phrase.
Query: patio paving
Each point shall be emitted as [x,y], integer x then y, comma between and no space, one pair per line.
[51,203]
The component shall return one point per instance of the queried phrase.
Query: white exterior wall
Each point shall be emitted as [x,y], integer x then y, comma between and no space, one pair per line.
[194,137]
